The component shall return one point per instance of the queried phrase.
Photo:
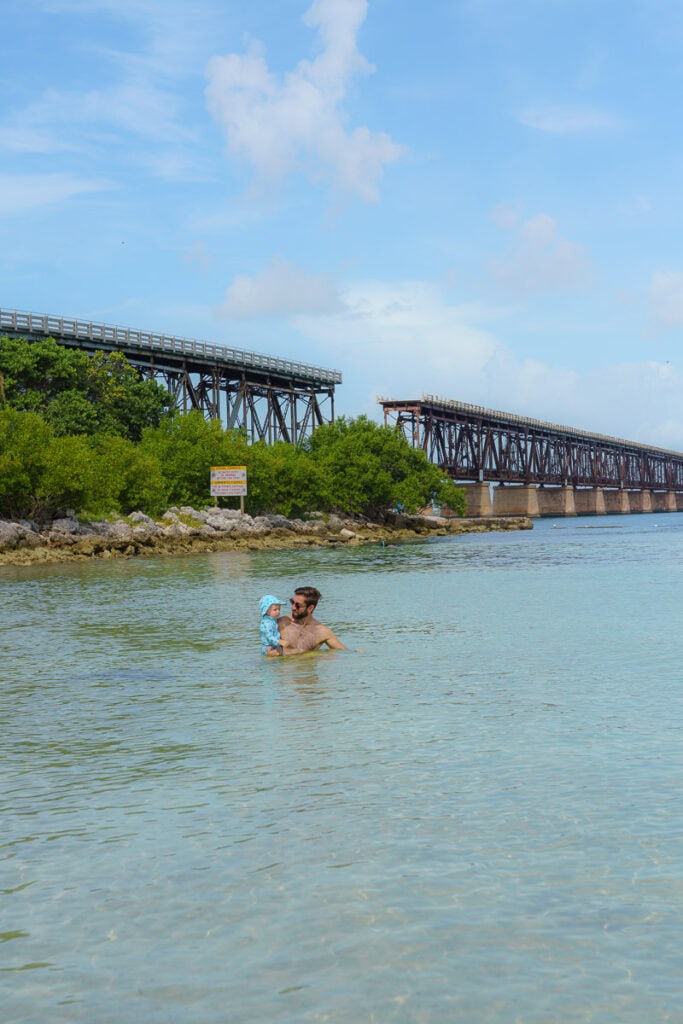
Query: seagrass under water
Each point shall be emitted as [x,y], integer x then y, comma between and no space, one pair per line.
[476,819]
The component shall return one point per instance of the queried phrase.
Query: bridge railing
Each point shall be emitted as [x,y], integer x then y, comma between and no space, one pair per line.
[473,442]
[527,421]
[125,337]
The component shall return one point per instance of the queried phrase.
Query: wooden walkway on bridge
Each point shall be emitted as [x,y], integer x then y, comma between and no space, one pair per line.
[273,399]
[542,468]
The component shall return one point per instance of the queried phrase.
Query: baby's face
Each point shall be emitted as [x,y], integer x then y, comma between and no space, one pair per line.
[274,611]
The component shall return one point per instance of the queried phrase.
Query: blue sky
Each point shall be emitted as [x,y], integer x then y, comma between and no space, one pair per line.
[475,199]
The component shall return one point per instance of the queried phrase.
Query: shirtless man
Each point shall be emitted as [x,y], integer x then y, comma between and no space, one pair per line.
[300,631]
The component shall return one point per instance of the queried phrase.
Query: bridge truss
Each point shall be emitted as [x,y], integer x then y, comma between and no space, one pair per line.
[472,443]
[272,399]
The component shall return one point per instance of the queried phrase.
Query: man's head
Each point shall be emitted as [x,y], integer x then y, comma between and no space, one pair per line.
[304,601]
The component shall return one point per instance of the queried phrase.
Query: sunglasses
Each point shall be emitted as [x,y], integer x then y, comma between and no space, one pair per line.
[297,604]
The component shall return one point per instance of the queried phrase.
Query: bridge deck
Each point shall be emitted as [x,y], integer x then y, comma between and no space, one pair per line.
[272,399]
[169,348]
[471,442]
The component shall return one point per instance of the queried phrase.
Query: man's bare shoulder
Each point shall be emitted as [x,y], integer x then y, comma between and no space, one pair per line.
[325,635]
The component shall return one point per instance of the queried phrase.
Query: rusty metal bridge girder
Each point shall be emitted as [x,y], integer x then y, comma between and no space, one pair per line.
[476,444]
[268,411]
[271,398]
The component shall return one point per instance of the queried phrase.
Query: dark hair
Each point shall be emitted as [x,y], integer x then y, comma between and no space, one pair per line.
[310,594]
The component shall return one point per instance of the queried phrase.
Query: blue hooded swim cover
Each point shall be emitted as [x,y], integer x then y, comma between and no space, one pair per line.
[265,602]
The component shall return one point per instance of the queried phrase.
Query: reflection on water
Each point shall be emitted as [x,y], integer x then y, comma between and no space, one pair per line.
[475,819]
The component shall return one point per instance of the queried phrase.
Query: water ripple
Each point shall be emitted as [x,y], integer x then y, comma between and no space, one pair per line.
[475,819]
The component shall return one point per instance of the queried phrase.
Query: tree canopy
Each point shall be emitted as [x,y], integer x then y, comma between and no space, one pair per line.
[85,432]
[77,393]
[368,468]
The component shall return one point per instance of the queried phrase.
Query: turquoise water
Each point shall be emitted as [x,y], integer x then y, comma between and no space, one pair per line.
[476,819]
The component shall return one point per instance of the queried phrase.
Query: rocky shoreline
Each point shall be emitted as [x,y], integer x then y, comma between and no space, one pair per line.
[184,530]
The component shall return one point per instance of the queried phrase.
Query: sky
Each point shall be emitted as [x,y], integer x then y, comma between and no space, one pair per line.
[478,200]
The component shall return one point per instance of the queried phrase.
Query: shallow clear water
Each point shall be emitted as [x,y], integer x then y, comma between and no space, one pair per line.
[478,818]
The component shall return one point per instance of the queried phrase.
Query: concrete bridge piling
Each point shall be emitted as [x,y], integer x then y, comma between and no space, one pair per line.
[514,465]
[536,501]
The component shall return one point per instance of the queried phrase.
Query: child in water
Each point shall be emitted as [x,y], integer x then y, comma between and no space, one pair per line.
[272,643]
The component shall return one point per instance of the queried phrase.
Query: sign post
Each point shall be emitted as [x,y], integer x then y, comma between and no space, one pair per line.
[229,481]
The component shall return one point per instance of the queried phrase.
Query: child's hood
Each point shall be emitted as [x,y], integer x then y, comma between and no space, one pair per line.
[265,602]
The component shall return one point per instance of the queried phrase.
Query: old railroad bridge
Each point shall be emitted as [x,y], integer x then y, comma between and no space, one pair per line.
[538,468]
[272,399]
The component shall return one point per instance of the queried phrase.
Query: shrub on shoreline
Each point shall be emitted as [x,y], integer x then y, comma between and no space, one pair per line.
[87,433]
[353,466]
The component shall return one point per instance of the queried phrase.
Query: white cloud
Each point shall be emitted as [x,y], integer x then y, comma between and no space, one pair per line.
[279,125]
[506,216]
[636,401]
[19,193]
[135,106]
[198,256]
[174,35]
[281,289]
[592,71]
[402,340]
[25,139]
[568,120]
[666,298]
[540,259]
[60,120]
[143,102]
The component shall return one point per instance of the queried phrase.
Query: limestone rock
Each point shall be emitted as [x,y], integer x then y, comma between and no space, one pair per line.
[100,527]
[119,530]
[140,517]
[253,527]
[220,523]
[144,533]
[176,530]
[315,529]
[201,515]
[28,538]
[277,522]
[206,530]
[10,535]
[66,526]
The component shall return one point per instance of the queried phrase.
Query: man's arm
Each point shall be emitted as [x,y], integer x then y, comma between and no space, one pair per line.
[334,642]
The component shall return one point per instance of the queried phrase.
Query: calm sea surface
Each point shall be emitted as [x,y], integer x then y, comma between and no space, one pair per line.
[477,818]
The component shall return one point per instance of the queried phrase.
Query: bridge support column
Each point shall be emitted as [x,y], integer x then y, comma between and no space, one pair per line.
[590,501]
[641,501]
[679,501]
[478,499]
[616,502]
[513,500]
[556,501]
[664,501]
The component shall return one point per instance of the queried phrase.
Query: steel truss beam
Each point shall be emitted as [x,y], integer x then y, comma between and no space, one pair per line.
[267,411]
[473,443]
[272,399]
[276,412]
